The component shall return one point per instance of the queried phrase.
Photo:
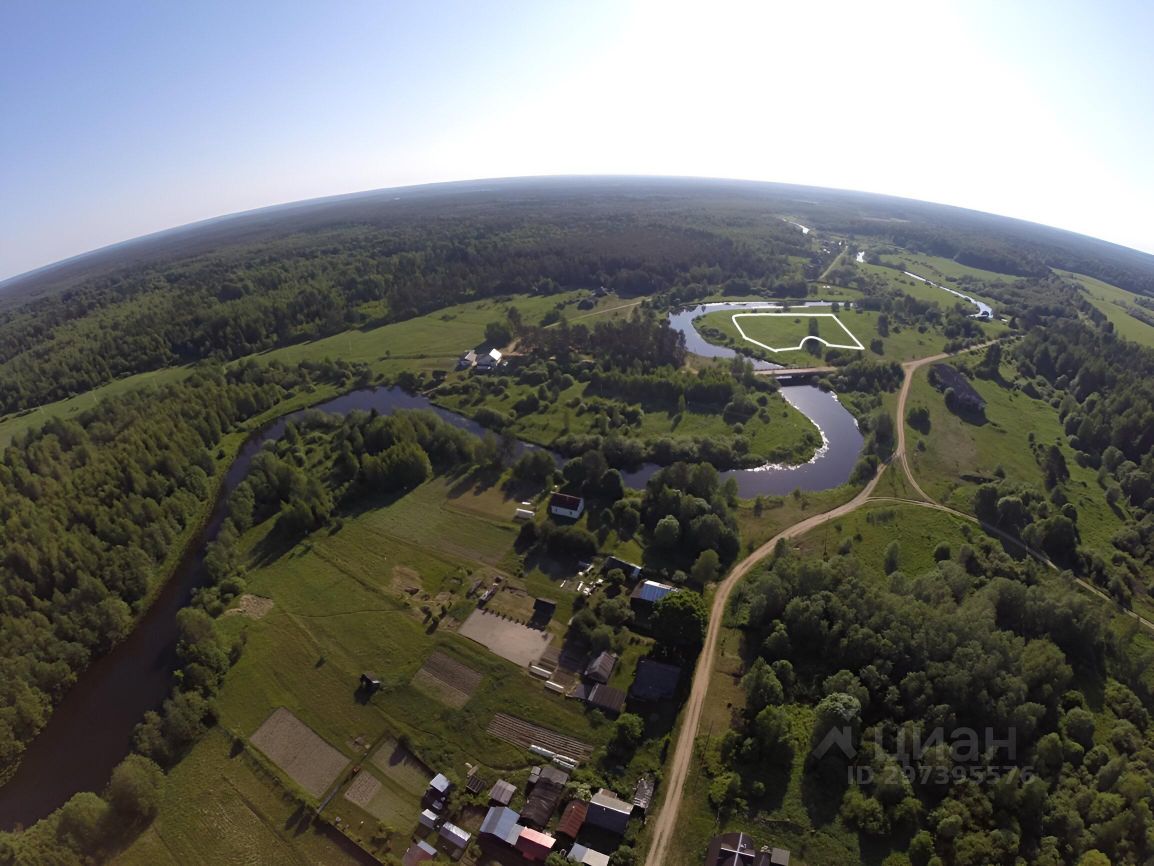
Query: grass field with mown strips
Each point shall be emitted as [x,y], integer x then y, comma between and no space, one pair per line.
[1113,301]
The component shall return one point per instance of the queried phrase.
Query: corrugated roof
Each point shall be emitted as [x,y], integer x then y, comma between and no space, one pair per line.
[652,591]
[534,842]
[499,821]
[455,835]
[502,792]
[565,500]
[573,818]
[601,668]
[607,698]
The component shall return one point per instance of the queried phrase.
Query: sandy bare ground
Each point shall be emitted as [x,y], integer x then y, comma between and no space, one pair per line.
[298,750]
[510,640]
[252,606]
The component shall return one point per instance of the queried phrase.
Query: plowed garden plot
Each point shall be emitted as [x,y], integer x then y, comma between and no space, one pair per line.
[445,679]
[364,787]
[525,734]
[298,750]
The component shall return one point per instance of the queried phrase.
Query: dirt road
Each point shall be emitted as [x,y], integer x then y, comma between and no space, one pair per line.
[674,783]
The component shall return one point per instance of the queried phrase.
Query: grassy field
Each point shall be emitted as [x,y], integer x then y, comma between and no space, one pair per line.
[784,434]
[11,425]
[341,607]
[956,447]
[899,344]
[923,291]
[1109,299]
[222,806]
[867,532]
[431,342]
[789,331]
[942,270]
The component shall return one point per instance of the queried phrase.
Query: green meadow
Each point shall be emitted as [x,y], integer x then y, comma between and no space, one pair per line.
[1113,301]
[951,461]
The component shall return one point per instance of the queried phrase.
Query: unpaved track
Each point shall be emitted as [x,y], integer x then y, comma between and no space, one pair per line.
[683,754]
[682,758]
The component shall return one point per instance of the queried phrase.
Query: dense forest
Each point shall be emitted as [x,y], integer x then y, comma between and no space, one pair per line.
[978,643]
[94,509]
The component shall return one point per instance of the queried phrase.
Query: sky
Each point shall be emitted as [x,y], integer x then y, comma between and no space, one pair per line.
[120,118]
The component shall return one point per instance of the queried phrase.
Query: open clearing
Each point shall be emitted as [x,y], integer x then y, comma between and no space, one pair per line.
[522,733]
[447,680]
[510,640]
[1114,302]
[294,747]
[782,329]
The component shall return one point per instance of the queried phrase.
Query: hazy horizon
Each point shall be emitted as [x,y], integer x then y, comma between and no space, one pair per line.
[1034,113]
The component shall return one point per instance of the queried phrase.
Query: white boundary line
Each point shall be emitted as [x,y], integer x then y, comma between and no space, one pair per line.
[856,342]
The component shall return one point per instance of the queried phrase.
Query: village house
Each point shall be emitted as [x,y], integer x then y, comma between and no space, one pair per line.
[654,681]
[608,812]
[573,818]
[738,849]
[564,505]
[467,360]
[534,845]
[489,361]
[631,570]
[646,595]
[503,824]
[643,794]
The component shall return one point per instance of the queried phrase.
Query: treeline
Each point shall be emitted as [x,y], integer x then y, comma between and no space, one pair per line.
[976,643]
[1103,388]
[245,299]
[92,506]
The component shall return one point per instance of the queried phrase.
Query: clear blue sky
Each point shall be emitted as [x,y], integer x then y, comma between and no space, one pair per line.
[122,117]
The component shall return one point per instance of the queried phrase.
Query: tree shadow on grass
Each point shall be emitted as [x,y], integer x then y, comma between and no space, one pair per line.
[822,787]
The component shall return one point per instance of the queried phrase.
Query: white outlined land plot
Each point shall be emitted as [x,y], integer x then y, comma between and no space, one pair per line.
[854,344]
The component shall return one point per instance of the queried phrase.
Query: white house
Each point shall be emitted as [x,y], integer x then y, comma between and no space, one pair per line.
[564,505]
[490,361]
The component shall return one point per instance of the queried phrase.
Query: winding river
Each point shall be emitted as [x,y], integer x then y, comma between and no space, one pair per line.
[91,729]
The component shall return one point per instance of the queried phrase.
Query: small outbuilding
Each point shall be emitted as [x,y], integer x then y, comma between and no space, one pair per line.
[523,514]
[601,668]
[503,792]
[643,794]
[369,683]
[455,836]
[607,698]
[586,856]
[428,819]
